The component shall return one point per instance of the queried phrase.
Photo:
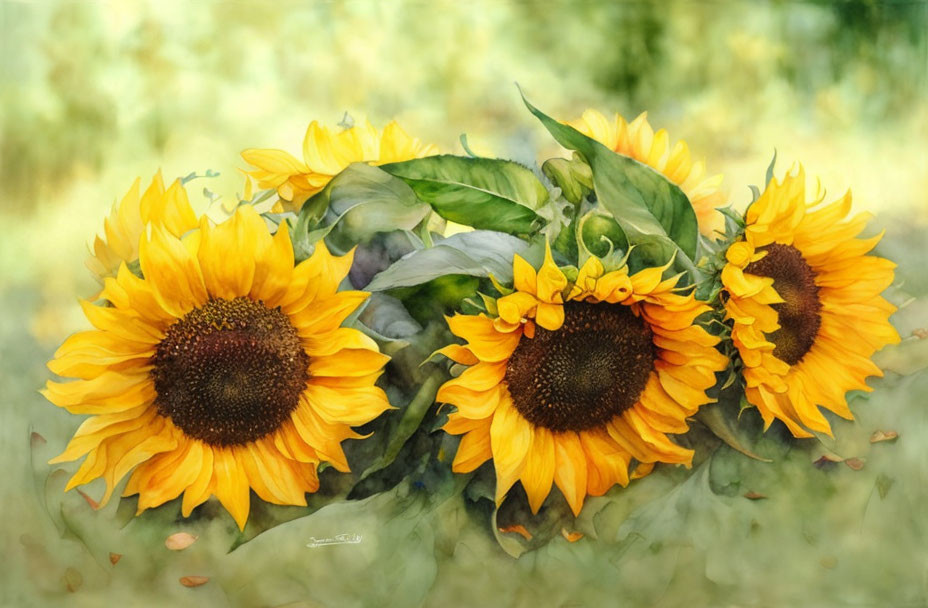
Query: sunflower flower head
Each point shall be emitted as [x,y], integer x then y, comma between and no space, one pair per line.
[805,306]
[325,154]
[638,140]
[169,208]
[218,374]
[573,382]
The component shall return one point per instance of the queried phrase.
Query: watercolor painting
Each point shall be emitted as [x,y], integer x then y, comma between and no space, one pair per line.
[518,303]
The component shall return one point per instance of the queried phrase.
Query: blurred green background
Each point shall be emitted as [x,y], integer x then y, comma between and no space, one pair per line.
[95,93]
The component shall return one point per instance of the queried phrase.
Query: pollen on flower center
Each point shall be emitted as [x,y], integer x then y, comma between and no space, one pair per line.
[799,314]
[230,371]
[581,375]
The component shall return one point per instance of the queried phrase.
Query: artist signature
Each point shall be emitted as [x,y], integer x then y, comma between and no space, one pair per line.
[338,539]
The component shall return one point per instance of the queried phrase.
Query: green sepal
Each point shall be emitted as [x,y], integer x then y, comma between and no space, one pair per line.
[573,177]
[601,234]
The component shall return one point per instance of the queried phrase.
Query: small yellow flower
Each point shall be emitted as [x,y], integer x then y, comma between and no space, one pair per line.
[637,139]
[326,154]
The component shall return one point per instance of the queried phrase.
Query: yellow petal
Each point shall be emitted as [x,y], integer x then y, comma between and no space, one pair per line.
[226,274]
[570,473]
[510,440]
[550,281]
[473,450]
[356,362]
[321,151]
[273,268]
[538,473]
[325,315]
[231,484]
[470,403]
[173,273]
[199,490]
[607,463]
[274,161]
[550,316]
[351,406]
[170,474]
[458,354]
[324,437]
[524,275]
[483,339]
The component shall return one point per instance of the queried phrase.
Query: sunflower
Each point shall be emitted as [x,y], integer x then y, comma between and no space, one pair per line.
[568,382]
[216,373]
[636,139]
[804,301]
[326,154]
[122,229]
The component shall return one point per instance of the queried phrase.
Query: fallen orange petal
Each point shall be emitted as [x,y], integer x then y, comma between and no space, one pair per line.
[855,463]
[518,529]
[90,501]
[827,459]
[72,580]
[879,436]
[571,537]
[179,541]
[193,581]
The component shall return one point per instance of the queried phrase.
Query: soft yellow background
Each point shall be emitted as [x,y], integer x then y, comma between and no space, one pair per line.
[96,93]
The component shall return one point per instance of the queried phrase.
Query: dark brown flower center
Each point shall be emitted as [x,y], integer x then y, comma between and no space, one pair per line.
[800,312]
[230,371]
[581,375]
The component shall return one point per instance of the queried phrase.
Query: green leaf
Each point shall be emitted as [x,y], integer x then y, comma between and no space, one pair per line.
[726,429]
[654,213]
[387,317]
[433,299]
[358,203]
[484,193]
[477,254]
[368,200]
[409,423]
[723,419]
[365,535]
[387,321]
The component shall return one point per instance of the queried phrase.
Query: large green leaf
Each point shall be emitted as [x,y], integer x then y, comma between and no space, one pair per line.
[654,213]
[478,254]
[368,200]
[357,204]
[484,193]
